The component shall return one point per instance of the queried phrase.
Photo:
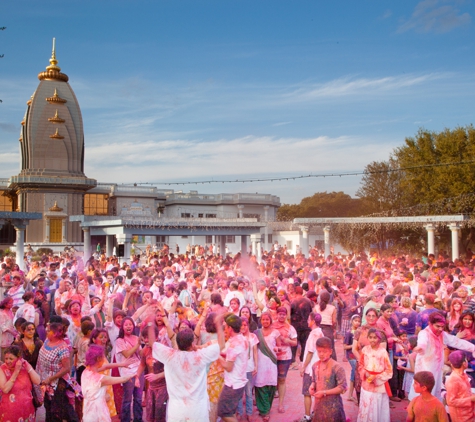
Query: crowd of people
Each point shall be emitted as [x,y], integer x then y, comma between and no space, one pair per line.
[202,336]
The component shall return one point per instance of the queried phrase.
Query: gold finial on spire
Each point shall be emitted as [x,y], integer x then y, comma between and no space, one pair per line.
[53,61]
[53,72]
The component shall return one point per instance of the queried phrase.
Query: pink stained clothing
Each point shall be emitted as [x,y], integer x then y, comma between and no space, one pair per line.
[266,369]
[459,398]
[185,375]
[126,344]
[26,311]
[427,411]
[383,325]
[95,406]
[286,331]
[17,405]
[372,360]
[252,341]
[311,346]
[237,350]
[432,356]
[6,323]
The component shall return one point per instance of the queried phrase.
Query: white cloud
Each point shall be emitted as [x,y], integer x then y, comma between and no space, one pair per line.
[435,16]
[183,160]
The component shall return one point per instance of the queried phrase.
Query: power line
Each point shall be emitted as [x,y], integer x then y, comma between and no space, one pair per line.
[307,176]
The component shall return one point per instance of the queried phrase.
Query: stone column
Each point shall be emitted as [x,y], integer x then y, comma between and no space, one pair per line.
[304,241]
[326,237]
[240,208]
[455,229]
[87,243]
[430,238]
[244,250]
[20,243]
[47,231]
[222,245]
[266,230]
[255,242]
[109,244]
[63,230]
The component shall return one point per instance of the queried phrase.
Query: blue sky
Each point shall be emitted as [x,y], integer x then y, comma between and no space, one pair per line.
[193,90]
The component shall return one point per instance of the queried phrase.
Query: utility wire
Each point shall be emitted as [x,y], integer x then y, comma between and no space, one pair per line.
[307,176]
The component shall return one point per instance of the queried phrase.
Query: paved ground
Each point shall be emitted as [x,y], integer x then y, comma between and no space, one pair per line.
[294,401]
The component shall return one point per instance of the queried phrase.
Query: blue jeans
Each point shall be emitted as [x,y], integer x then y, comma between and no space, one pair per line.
[131,392]
[248,393]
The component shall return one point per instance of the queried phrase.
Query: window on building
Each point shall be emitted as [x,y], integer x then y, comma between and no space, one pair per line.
[289,245]
[269,238]
[200,215]
[209,239]
[6,203]
[230,239]
[96,204]
[210,215]
[185,215]
[163,239]
[184,237]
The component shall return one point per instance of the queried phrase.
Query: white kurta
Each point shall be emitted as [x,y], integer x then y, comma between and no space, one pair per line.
[432,356]
[185,374]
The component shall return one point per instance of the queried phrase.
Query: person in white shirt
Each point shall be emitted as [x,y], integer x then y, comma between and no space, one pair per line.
[310,356]
[185,373]
[235,368]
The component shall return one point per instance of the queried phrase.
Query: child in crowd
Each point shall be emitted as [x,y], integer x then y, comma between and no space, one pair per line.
[460,399]
[425,407]
[401,353]
[328,384]
[82,346]
[408,366]
[375,370]
[355,323]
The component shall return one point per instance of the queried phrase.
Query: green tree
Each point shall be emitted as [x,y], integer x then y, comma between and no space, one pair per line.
[321,204]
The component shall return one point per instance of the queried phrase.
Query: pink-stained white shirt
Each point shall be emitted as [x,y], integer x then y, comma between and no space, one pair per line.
[237,351]
[311,346]
[185,374]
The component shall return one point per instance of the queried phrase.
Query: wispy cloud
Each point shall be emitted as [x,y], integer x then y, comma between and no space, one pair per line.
[281,124]
[387,14]
[435,16]
[348,86]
